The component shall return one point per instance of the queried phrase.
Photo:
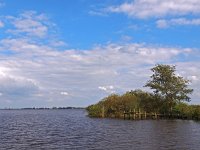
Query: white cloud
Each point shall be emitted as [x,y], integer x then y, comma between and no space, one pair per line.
[108,89]
[14,87]
[64,93]
[30,23]
[1,24]
[37,74]
[193,78]
[126,38]
[157,8]
[190,70]
[45,71]
[163,23]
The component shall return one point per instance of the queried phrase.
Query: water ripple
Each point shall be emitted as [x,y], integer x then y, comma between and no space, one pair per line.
[72,129]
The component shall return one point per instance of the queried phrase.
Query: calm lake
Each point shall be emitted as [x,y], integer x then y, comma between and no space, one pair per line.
[72,129]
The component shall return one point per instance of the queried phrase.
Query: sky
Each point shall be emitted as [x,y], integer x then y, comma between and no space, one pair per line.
[75,52]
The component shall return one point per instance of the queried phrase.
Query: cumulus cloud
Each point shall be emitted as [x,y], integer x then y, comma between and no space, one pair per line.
[29,23]
[193,78]
[37,74]
[64,93]
[80,72]
[108,89]
[157,8]
[14,87]
[163,23]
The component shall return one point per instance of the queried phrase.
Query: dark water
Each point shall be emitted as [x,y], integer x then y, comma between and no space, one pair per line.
[72,129]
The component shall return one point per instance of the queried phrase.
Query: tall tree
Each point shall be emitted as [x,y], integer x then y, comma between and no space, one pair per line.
[171,87]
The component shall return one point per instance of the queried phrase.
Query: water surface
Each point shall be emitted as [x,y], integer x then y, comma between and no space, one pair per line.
[72,129]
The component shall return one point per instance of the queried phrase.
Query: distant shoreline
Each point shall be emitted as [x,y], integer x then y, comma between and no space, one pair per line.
[43,108]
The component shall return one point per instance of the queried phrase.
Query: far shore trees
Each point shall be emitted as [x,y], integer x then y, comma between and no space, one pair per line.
[171,87]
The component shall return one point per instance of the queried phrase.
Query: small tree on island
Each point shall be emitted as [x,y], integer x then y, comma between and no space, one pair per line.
[171,87]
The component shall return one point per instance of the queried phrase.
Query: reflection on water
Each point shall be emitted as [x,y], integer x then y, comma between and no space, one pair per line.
[72,129]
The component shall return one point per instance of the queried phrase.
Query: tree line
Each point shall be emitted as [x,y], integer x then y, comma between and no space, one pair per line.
[169,95]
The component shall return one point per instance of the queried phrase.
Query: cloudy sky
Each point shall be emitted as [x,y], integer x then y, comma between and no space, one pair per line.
[75,52]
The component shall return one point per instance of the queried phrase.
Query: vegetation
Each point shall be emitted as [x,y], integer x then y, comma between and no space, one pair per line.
[169,96]
[167,84]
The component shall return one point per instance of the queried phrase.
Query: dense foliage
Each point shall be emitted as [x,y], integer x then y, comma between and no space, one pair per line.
[171,87]
[170,92]
[114,105]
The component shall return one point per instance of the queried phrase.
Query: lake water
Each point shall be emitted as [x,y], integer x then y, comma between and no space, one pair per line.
[72,129]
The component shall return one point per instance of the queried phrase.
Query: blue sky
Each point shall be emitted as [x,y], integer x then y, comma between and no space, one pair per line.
[84,23]
[73,53]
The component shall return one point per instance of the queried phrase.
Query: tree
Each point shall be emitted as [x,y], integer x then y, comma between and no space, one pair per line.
[110,104]
[148,101]
[128,101]
[167,84]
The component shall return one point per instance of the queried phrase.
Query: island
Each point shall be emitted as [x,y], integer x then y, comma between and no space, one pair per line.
[168,99]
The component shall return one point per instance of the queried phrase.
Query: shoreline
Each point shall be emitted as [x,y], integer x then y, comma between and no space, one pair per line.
[45,108]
